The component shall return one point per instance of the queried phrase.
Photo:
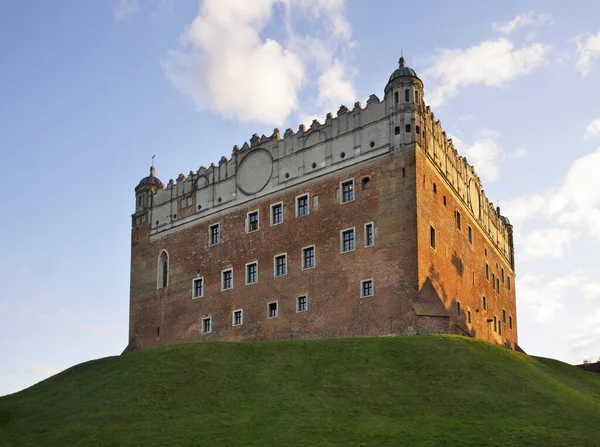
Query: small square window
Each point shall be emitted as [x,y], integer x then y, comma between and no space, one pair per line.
[252,272]
[252,222]
[366,183]
[432,237]
[214,234]
[302,206]
[407,128]
[272,310]
[347,191]
[301,303]
[469,316]
[366,288]
[280,264]
[308,257]
[227,279]
[470,235]
[238,317]
[207,325]
[458,311]
[198,287]
[347,240]
[458,224]
[276,213]
[484,303]
[369,234]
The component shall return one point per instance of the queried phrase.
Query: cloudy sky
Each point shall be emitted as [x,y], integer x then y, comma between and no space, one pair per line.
[89,91]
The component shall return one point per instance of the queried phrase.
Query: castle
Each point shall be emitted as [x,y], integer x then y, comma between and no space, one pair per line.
[369,224]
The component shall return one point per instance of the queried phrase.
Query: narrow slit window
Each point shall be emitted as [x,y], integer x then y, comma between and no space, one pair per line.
[458,310]
[484,303]
[458,223]
[470,235]
[432,237]
[406,95]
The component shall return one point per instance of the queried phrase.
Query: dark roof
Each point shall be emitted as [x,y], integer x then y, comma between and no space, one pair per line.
[402,71]
[505,220]
[152,180]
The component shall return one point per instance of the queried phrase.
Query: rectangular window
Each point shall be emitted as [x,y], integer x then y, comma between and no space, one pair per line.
[458,311]
[207,325]
[252,220]
[302,205]
[369,234]
[238,317]
[366,288]
[458,224]
[508,280]
[214,234]
[301,303]
[396,99]
[198,287]
[406,95]
[187,202]
[252,272]
[510,321]
[227,279]
[397,130]
[347,240]
[416,96]
[498,285]
[487,271]
[469,316]
[417,130]
[407,128]
[277,213]
[495,324]
[493,281]
[470,235]
[484,303]
[347,191]
[280,264]
[502,274]
[499,327]
[308,257]
[272,310]
[432,237]
[503,316]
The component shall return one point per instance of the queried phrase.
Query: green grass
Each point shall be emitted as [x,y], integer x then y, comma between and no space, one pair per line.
[396,391]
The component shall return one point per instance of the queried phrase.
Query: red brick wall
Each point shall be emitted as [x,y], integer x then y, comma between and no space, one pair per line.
[335,308]
[456,267]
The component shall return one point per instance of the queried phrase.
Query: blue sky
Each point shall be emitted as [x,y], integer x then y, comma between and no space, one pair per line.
[89,91]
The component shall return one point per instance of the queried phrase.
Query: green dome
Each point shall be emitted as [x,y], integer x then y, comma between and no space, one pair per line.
[402,71]
[505,220]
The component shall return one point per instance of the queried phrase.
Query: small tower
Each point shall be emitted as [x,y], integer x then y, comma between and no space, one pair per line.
[144,189]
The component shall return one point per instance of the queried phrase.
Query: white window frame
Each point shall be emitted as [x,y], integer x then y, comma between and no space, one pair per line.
[233,317]
[307,194]
[342,240]
[305,295]
[257,211]
[230,269]
[365,234]
[276,302]
[273,205]
[275,264]
[246,273]
[199,278]
[314,247]
[362,281]
[342,190]
[211,325]
[216,224]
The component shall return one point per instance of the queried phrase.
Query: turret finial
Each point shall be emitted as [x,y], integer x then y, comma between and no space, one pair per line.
[402,62]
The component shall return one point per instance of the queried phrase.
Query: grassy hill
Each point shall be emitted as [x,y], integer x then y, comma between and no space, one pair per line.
[400,391]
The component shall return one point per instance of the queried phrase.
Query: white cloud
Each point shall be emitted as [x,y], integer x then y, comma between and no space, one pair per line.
[542,298]
[586,342]
[522,20]
[588,48]
[466,118]
[546,243]
[490,63]
[591,292]
[43,370]
[593,129]
[125,9]
[227,67]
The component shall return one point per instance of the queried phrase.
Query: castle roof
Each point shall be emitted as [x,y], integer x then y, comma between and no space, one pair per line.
[402,71]
[151,180]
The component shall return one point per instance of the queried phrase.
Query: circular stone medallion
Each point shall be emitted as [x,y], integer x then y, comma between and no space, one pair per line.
[254,172]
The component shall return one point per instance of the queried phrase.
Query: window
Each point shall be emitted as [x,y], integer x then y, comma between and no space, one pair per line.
[162,280]
[251,272]
[302,205]
[495,324]
[508,280]
[407,128]
[301,303]
[347,191]
[416,96]
[432,237]
[406,95]
[198,287]
[238,317]
[444,200]
[510,321]
[186,202]
[347,240]
[493,281]
[499,327]
[277,213]
[484,303]
[366,288]
[469,316]
[498,285]
[396,98]
[308,257]
[502,273]
[366,183]
[252,221]
[397,130]
[458,311]
[369,234]
[214,234]
[503,316]
[470,235]
[227,279]
[272,310]
[417,130]
[434,188]
[280,264]
[207,325]
[487,271]
[458,224]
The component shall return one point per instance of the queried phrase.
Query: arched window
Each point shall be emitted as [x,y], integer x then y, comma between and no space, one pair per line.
[163,270]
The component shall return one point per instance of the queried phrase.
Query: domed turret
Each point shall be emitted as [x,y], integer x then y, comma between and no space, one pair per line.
[402,71]
[151,181]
